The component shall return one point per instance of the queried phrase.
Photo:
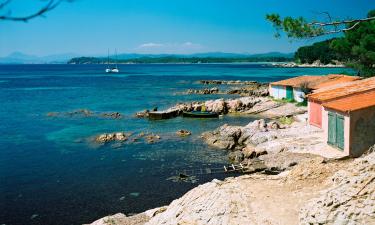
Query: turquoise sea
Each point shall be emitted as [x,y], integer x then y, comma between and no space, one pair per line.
[50,171]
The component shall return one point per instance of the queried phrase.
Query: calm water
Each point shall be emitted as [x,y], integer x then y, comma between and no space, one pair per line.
[51,173]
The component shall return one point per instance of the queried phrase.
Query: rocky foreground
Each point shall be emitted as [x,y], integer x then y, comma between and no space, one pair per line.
[308,188]
[316,191]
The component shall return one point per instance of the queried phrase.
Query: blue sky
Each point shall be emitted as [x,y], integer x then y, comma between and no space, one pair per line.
[90,27]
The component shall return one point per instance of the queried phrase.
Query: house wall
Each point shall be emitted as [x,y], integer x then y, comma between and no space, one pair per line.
[278,92]
[315,114]
[298,95]
[362,130]
[347,126]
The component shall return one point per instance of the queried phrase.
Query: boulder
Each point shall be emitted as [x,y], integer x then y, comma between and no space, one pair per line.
[225,137]
[142,114]
[217,106]
[251,152]
[236,156]
[183,133]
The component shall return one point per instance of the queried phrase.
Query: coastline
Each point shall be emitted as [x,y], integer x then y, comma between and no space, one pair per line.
[303,171]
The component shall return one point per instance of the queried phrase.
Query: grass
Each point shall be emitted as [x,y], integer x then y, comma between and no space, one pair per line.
[304,103]
[286,120]
[284,100]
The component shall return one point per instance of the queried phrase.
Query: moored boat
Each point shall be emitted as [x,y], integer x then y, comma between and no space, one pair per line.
[200,114]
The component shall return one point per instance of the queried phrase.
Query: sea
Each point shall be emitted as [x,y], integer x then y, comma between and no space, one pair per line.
[51,171]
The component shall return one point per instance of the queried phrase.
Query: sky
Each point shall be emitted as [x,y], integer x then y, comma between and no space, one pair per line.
[91,27]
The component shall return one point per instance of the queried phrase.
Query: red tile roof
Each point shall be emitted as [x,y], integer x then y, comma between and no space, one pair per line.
[353,103]
[343,90]
[316,82]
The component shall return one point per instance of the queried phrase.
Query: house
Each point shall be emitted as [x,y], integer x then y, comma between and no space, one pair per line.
[334,92]
[296,88]
[349,122]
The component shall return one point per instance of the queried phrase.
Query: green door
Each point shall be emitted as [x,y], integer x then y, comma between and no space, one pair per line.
[331,128]
[289,93]
[340,131]
[336,130]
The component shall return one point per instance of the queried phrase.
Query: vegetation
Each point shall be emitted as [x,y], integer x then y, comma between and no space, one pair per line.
[356,48]
[321,51]
[286,120]
[175,59]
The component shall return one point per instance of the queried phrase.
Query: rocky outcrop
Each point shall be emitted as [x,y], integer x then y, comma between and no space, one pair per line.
[227,82]
[205,91]
[85,113]
[256,89]
[219,106]
[225,137]
[122,137]
[350,200]
[183,133]
[316,63]
[108,137]
[237,137]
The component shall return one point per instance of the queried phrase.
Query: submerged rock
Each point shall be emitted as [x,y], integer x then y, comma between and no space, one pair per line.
[183,133]
[113,115]
[205,91]
[108,137]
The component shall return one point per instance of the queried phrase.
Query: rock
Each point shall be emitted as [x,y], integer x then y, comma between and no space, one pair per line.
[52,114]
[225,137]
[273,125]
[109,137]
[227,82]
[205,91]
[142,114]
[350,200]
[113,115]
[80,112]
[152,138]
[218,106]
[236,156]
[183,133]
[251,152]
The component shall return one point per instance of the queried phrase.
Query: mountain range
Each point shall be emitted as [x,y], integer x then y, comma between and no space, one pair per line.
[21,58]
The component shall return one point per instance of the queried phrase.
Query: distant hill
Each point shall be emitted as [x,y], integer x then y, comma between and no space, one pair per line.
[209,57]
[213,57]
[21,58]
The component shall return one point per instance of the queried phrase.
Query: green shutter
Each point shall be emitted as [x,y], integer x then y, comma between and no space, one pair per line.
[289,93]
[340,131]
[331,128]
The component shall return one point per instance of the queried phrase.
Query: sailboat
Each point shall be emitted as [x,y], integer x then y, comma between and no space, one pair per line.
[113,69]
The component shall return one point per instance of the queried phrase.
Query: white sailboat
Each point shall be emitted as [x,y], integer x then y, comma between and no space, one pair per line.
[113,69]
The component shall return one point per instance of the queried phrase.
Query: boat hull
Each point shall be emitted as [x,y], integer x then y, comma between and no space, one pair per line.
[199,114]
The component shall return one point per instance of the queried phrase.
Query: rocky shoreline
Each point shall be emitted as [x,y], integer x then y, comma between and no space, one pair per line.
[293,178]
[316,64]
[316,191]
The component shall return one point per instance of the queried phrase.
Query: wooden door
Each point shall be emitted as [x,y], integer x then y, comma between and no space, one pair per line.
[336,130]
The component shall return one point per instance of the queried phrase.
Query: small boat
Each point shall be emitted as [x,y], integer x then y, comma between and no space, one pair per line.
[161,115]
[112,70]
[200,114]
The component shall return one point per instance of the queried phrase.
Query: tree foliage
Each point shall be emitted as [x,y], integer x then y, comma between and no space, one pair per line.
[359,47]
[356,48]
[6,12]
[321,51]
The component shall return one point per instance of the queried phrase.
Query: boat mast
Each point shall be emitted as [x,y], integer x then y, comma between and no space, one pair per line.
[108,60]
[116,57]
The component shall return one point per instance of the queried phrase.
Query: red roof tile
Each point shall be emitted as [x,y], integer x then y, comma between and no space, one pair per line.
[353,103]
[342,90]
[316,82]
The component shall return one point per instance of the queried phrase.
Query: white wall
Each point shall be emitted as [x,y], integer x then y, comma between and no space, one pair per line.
[278,92]
[298,94]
